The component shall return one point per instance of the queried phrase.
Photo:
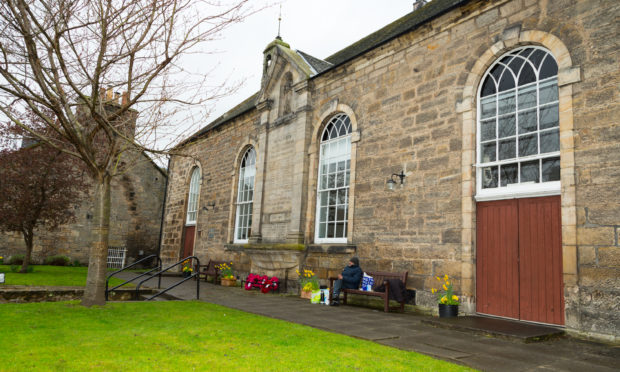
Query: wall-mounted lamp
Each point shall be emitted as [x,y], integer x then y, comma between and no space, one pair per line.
[391,182]
[209,206]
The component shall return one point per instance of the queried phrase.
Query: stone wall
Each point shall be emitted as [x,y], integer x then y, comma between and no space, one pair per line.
[137,199]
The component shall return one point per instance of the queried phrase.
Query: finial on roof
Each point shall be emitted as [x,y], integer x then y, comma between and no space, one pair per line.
[279,22]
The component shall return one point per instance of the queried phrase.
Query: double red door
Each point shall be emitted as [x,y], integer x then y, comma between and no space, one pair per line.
[519,259]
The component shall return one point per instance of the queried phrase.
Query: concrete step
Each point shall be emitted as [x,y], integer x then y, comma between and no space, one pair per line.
[502,328]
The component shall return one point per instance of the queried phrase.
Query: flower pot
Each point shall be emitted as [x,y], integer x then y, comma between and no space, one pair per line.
[448,311]
[228,282]
[306,294]
[186,274]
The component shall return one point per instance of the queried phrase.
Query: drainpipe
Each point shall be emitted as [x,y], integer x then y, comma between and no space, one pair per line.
[163,208]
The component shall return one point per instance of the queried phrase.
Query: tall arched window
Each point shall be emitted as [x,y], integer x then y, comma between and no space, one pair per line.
[518,125]
[192,200]
[333,181]
[245,196]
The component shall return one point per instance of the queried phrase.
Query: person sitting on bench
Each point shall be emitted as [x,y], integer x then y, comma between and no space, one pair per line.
[350,278]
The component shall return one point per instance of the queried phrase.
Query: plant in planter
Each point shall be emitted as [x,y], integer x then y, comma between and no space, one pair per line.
[228,278]
[448,301]
[187,269]
[1,260]
[308,283]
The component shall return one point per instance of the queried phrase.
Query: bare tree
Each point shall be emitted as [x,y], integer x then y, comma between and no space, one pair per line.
[70,56]
[39,186]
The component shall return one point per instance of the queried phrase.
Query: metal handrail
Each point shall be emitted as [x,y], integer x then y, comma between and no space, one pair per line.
[180,262]
[139,276]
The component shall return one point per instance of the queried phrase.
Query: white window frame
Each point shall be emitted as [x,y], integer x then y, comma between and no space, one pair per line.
[518,189]
[245,197]
[193,198]
[346,139]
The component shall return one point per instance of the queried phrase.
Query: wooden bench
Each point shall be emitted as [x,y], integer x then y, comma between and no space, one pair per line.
[209,269]
[380,277]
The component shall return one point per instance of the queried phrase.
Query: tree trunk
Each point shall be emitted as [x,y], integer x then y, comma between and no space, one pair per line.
[94,293]
[28,234]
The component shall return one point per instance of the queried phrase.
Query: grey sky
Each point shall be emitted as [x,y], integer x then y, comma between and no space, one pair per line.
[318,27]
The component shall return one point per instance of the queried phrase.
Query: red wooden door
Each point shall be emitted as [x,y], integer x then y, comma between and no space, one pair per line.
[188,245]
[497,265]
[541,296]
[519,259]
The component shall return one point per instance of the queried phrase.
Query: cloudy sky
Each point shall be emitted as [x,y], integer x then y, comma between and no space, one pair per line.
[317,27]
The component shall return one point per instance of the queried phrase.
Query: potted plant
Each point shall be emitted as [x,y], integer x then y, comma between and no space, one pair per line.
[187,269]
[228,279]
[448,301]
[308,283]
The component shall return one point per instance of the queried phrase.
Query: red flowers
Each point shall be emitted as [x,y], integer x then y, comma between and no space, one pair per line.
[262,282]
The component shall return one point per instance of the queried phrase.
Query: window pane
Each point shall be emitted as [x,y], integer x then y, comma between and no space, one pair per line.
[323,197]
[340,179]
[549,68]
[530,171]
[487,106]
[488,152]
[527,121]
[549,117]
[489,177]
[506,103]
[508,174]
[551,169]
[322,230]
[487,130]
[330,230]
[527,75]
[548,92]
[331,214]
[507,149]
[340,229]
[332,167]
[331,180]
[528,145]
[342,196]
[507,126]
[332,197]
[550,141]
[340,213]
[323,182]
[527,96]
[323,214]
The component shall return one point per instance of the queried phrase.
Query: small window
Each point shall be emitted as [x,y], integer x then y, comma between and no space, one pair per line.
[333,181]
[192,199]
[245,197]
[518,124]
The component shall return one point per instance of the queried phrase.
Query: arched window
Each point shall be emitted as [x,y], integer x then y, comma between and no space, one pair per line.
[518,125]
[245,196]
[333,181]
[192,200]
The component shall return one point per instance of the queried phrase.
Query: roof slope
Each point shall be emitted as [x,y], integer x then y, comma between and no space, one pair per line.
[394,29]
[317,64]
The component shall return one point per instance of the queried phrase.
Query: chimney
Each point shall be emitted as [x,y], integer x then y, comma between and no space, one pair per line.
[109,94]
[125,98]
[117,97]
[417,4]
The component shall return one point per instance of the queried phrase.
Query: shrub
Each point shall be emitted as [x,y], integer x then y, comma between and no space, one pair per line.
[15,268]
[76,263]
[16,259]
[1,260]
[57,260]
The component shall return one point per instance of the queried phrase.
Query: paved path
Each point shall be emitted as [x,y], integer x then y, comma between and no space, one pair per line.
[407,332]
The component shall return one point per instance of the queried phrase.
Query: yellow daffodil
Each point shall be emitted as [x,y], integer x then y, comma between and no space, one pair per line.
[445,288]
[455,298]
[447,283]
[444,300]
[433,290]
[438,279]
[446,277]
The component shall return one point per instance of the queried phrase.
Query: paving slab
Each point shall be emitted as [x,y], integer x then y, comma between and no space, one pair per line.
[412,332]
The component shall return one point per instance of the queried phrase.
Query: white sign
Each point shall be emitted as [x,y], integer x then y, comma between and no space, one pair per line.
[1,277]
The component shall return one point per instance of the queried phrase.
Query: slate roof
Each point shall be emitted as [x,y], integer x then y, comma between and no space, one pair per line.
[317,64]
[395,29]
[401,26]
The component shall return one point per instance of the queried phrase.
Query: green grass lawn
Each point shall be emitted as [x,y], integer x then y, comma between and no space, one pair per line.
[182,336]
[50,275]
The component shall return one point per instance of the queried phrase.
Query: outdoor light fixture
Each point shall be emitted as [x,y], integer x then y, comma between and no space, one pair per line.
[209,206]
[391,182]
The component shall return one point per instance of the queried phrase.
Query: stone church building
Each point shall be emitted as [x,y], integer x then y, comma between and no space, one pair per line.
[478,139]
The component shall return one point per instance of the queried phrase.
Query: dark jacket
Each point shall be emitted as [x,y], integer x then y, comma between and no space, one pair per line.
[352,277]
